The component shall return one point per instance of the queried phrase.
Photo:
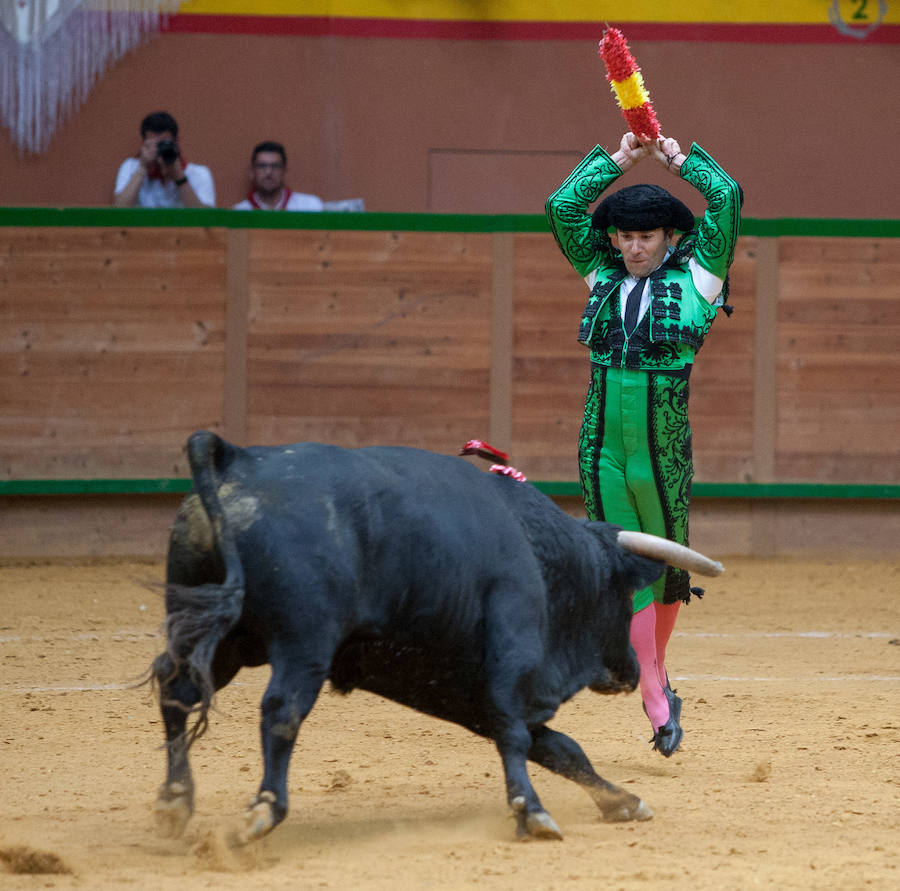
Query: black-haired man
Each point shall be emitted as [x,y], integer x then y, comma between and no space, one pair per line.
[267,189]
[651,304]
[158,175]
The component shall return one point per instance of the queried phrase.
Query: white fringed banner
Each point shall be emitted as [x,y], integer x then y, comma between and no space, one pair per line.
[53,51]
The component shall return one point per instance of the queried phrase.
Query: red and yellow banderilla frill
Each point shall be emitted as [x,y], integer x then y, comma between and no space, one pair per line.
[626,82]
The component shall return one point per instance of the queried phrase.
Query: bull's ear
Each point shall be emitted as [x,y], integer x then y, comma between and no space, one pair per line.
[630,572]
[640,571]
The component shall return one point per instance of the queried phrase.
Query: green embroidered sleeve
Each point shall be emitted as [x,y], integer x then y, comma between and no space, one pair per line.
[567,210]
[717,232]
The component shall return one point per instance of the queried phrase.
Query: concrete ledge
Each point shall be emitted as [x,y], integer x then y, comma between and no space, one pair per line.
[98,525]
[87,525]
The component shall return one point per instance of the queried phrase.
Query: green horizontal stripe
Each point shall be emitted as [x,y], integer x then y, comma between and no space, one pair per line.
[813,228]
[560,488]
[94,487]
[794,490]
[115,217]
[755,490]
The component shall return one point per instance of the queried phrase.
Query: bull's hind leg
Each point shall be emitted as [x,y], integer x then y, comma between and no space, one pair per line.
[562,755]
[287,701]
[178,695]
[175,799]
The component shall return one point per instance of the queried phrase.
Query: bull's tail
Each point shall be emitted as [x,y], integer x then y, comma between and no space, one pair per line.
[199,617]
[206,453]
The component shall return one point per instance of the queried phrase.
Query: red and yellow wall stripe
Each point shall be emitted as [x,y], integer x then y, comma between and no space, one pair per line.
[748,21]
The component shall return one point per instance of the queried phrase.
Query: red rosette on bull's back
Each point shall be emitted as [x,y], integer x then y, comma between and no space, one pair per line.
[627,84]
[484,450]
[489,453]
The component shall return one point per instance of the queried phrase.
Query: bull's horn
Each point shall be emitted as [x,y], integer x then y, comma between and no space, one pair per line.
[669,552]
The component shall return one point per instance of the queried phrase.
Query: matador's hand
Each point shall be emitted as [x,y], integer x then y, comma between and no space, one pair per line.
[630,151]
[633,148]
[668,152]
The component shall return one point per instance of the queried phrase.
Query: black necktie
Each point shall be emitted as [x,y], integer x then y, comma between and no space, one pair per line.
[633,304]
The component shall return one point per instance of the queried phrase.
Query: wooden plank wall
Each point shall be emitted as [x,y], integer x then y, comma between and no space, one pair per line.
[838,364]
[369,337]
[111,347]
[116,343]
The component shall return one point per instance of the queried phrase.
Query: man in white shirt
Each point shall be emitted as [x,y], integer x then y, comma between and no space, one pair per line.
[268,191]
[159,176]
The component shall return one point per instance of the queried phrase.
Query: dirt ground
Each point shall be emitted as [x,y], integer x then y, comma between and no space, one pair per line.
[788,777]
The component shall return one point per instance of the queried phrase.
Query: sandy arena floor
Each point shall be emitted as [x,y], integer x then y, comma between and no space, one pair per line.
[789,775]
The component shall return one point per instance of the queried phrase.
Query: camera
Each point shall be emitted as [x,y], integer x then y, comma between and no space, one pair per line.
[167,151]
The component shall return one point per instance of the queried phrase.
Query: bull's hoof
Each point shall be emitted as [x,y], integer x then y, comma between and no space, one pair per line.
[173,809]
[259,820]
[537,824]
[629,810]
[541,825]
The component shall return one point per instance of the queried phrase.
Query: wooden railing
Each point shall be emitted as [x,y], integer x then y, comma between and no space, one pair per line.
[125,330]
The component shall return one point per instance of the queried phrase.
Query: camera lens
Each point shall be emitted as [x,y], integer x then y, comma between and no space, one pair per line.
[166,151]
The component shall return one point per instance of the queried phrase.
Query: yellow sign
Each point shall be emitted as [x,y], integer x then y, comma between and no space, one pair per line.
[853,13]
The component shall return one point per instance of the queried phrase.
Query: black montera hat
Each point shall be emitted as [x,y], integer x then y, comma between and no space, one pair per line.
[642,207]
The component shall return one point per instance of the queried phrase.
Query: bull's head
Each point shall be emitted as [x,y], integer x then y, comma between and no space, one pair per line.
[621,671]
[621,682]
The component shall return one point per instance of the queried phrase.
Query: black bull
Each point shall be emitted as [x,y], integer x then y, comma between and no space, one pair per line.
[466,595]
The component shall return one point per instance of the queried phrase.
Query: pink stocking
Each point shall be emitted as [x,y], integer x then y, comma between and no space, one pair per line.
[666,614]
[643,639]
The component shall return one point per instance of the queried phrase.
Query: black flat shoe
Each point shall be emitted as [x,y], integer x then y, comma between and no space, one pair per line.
[667,738]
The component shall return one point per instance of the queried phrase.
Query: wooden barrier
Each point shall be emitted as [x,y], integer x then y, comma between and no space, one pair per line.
[126,330]
[112,348]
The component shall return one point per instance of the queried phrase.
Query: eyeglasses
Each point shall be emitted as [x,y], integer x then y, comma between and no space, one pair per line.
[273,166]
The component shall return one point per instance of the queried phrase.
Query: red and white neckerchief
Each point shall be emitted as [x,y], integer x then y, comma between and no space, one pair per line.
[281,205]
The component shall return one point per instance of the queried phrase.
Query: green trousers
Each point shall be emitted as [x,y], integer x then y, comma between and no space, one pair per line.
[635,463]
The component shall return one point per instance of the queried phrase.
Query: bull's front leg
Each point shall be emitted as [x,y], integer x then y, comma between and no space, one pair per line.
[532,821]
[562,755]
[175,800]
[513,650]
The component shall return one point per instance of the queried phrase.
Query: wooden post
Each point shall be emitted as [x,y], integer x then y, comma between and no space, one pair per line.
[500,427]
[765,393]
[765,405]
[237,267]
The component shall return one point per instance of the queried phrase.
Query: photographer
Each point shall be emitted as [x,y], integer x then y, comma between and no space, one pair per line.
[159,176]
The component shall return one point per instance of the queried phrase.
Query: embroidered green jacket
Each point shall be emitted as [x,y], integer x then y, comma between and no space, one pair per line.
[669,335]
